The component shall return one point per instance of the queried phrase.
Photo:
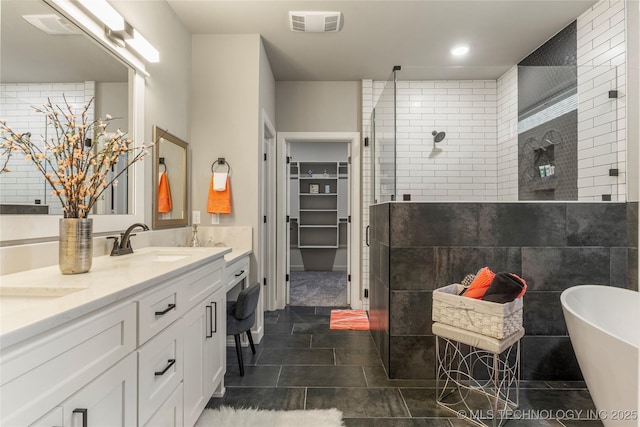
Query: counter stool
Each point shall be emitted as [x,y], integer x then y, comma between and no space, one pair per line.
[478,377]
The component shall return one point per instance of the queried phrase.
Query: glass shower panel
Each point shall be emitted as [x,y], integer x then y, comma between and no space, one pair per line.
[569,146]
[383,153]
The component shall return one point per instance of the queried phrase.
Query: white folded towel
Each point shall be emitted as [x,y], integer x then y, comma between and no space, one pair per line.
[219,181]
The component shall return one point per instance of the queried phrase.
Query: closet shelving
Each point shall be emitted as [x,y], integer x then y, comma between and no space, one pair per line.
[319,204]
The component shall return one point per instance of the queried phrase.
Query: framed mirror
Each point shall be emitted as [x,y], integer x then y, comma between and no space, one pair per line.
[170,180]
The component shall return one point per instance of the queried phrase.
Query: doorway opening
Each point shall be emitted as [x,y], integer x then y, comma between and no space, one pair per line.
[318,242]
[319,215]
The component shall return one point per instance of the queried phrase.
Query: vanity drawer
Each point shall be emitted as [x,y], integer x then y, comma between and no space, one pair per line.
[39,374]
[203,282]
[160,370]
[237,272]
[158,308]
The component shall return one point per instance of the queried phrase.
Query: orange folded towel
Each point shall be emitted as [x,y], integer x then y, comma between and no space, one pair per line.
[480,284]
[164,194]
[219,201]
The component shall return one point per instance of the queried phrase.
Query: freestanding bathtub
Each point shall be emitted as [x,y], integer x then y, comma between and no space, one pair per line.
[603,324]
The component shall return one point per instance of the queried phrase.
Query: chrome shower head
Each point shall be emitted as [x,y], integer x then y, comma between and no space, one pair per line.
[438,136]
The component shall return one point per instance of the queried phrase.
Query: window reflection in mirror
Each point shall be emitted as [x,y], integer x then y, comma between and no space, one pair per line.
[170,180]
[36,65]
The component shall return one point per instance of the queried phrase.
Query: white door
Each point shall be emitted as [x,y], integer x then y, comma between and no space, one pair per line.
[267,273]
[108,401]
[170,413]
[204,353]
[216,351]
[287,168]
[196,332]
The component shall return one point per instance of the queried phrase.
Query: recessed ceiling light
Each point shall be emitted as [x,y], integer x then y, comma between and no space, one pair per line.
[460,50]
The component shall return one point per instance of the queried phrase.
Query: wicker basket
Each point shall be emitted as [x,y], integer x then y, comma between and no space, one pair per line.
[484,317]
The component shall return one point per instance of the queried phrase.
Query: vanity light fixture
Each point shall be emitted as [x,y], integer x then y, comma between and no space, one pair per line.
[119,31]
[105,13]
[143,47]
[460,50]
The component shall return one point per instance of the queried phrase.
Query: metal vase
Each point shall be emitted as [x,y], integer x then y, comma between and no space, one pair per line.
[76,245]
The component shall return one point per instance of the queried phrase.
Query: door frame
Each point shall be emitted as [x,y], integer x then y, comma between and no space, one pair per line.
[354,287]
[267,230]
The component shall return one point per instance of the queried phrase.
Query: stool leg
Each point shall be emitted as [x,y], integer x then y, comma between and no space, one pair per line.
[253,348]
[496,387]
[239,353]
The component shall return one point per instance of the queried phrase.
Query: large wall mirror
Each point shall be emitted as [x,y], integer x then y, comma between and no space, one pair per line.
[49,49]
[170,180]
[44,56]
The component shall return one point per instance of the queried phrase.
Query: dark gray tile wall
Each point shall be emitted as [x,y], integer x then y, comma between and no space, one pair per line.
[418,247]
[379,267]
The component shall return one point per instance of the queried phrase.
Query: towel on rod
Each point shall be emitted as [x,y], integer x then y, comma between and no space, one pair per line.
[219,181]
[164,194]
[219,201]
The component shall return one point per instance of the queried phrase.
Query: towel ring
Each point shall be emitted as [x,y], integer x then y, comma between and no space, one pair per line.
[162,163]
[221,161]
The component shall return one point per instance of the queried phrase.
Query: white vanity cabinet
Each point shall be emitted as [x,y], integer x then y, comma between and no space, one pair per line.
[151,358]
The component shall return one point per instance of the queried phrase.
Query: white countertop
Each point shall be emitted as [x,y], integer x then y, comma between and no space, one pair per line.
[235,255]
[34,301]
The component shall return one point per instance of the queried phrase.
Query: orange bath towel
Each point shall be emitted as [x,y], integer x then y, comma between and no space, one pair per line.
[219,201]
[164,194]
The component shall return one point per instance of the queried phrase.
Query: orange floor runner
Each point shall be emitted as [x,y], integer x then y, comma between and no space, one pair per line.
[355,320]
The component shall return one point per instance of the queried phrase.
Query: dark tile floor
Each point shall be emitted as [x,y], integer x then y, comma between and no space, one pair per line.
[302,364]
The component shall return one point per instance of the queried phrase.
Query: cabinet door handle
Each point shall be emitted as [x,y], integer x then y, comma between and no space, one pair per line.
[83,414]
[240,274]
[208,312]
[165,311]
[166,368]
[367,235]
[214,329]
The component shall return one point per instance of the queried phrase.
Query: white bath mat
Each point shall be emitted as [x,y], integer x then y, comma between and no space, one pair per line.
[229,417]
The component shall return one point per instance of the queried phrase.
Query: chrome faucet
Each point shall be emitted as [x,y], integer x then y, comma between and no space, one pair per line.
[124,247]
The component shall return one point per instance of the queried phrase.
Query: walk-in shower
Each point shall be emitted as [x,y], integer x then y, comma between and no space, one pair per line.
[525,133]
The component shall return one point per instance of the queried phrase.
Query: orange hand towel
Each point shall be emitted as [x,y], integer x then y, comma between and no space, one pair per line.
[219,201]
[164,194]
[480,284]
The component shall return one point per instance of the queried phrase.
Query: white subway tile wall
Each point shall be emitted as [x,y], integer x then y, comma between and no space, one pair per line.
[24,184]
[602,120]
[507,166]
[461,167]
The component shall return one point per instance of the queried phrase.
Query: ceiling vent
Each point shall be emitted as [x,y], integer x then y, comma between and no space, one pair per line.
[315,22]
[52,24]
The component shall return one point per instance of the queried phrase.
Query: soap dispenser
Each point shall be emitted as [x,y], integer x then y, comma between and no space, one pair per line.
[194,239]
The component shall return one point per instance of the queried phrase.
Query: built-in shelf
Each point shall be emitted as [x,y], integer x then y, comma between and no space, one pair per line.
[318,202]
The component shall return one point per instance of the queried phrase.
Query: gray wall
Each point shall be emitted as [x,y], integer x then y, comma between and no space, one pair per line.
[167,102]
[318,106]
[232,85]
[553,246]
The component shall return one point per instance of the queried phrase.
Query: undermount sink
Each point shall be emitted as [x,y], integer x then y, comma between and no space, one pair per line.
[15,299]
[168,257]
[36,292]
